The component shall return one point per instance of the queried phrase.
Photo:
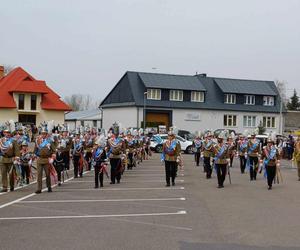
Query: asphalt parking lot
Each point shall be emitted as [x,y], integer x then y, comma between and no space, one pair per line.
[141,213]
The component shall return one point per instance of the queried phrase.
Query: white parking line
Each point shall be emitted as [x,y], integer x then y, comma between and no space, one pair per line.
[146,181]
[120,189]
[30,195]
[92,216]
[112,200]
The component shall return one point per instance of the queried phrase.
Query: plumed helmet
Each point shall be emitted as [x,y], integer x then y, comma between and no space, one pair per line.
[115,128]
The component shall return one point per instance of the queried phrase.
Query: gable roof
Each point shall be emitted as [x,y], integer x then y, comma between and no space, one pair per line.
[167,81]
[214,95]
[18,80]
[251,87]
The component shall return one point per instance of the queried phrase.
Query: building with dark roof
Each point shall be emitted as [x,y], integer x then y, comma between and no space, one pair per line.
[193,103]
[27,100]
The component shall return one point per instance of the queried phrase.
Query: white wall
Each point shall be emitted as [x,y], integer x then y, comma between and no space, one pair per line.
[127,116]
[194,120]
[187,119]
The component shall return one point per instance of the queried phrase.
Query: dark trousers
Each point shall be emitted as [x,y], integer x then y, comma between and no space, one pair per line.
[98,175]
[197,158]
[66,156]
[59,168]
[130,162]
[170,169]
[207,167]
[231,161]
[25,172]
[242,163]
[271,172]
[221,173]
[253,167]
[88,158]
[76,159]
[115,170]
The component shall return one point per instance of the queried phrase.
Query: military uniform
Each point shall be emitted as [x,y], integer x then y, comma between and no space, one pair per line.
[207,154]
[9,149]
[99,157]
[171,151]
[297,156]
[44,148]
[66,143]
[116,147]
[131,148]
[253,151]
[88,148]
[221,154]
[197,144]
[77,154]
[270,156]
[25,158]
[242,151]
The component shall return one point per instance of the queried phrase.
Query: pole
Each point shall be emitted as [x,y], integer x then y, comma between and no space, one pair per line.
[281,122]
[144,113]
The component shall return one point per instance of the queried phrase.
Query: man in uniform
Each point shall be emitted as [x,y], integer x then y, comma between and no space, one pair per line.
[253,150]
[197,144]
[77,154]
[270,158]
[66,144]
[242,151]
[116,147]
[297,155]
[207,148]
[44,149]
[9,149]
[220,160]
[170,153]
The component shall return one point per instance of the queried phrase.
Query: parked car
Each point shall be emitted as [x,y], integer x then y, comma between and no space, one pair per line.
[156,143]
[186,135]
[218,131]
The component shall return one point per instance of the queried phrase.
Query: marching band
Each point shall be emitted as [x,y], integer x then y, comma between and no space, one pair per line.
[123,149]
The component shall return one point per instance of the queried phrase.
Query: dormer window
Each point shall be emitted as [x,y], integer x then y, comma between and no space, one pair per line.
[230,98]
[176,95]
[249,99]
[197,96]
[153,94]
[268,100]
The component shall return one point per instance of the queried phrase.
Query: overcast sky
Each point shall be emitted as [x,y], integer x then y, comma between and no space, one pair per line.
[86,46]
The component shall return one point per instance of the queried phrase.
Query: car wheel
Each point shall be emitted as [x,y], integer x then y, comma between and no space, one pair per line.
[158,149]
[189,150]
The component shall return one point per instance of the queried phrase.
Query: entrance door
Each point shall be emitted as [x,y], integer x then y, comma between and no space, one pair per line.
[27,119]
[157,118]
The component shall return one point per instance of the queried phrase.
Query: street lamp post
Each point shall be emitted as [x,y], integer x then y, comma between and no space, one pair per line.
[144,111]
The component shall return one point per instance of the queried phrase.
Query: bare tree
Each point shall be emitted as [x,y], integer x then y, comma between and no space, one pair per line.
[281,87]
[80,102]
[8,68]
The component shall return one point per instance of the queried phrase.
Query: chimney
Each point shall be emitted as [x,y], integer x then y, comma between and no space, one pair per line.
[1,71]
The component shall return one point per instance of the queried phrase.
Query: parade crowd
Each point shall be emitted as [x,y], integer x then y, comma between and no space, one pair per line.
[55,147]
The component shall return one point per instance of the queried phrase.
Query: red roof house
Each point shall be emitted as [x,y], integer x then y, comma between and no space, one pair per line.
[18,81]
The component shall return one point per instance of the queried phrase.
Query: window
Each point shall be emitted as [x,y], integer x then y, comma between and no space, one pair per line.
[269,100]
[249,99]
[230,98]
[197,96]
[269,122]
[21,101]
[33,102]
[249,121]
[176,95]
[95,123]
[153,94]
[82,123]
[229,120]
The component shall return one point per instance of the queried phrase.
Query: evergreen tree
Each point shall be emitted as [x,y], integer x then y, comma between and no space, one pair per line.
[294,103]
